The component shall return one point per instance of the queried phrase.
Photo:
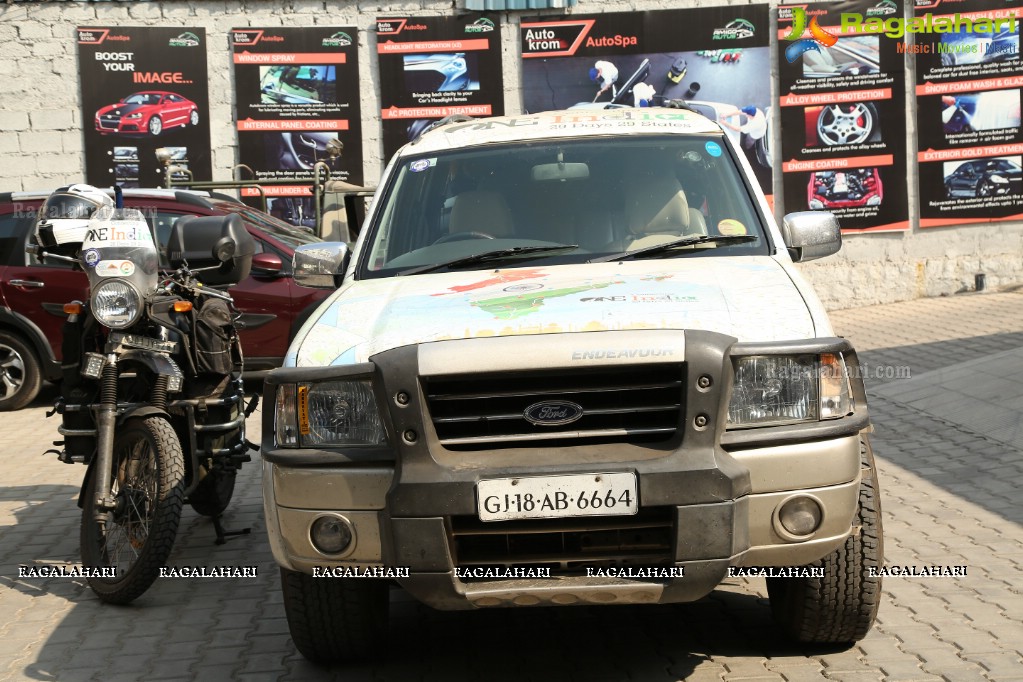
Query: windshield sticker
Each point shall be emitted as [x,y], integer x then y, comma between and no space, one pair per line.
[91,257]
[730,226]
[421,164]
[115,268]
[713,148]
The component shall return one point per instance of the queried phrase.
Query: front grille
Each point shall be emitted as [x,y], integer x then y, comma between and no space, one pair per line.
[567,546]
[630,404]
[109,122]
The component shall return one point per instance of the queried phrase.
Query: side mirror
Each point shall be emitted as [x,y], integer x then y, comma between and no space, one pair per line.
[267,264]
[811,234]
[321,265]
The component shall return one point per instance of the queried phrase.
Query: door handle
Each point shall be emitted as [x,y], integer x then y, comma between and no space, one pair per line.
[28,283]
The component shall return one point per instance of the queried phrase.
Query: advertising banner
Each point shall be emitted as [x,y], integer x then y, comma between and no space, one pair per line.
[143,88]
[969,78]
[434,67]
[297,97]
[716,58]
[842,91]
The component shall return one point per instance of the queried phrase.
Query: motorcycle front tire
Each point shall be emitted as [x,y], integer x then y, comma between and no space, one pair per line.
[133,541]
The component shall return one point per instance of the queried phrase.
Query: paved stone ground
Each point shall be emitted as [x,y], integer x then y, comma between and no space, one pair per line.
[949,493]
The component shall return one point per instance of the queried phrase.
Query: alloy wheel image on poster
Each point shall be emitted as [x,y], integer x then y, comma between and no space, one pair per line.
[143,88]
[842,94]
[969,78]
[717,59]
[434,67]
[298,111]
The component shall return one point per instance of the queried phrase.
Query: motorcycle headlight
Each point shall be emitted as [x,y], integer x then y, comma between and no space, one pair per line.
[786,389]
[326,414]
[116,304]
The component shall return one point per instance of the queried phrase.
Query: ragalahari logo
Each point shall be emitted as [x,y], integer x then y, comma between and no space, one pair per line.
[818,36]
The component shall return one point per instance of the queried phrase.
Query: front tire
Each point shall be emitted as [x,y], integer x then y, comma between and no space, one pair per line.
[335,619]
[136,538]
[20,374]
[839,608]
[155,126]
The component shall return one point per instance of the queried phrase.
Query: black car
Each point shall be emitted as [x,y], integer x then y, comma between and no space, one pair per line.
[985,178]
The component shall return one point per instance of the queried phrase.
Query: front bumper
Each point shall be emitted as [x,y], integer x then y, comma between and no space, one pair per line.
[708,500]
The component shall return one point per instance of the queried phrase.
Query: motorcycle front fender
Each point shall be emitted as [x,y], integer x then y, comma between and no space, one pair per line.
[157,363]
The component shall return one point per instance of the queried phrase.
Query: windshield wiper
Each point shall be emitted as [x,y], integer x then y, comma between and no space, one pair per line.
[678,243]
[489,256]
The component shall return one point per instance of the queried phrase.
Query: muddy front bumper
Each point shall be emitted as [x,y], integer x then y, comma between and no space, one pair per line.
[707,500]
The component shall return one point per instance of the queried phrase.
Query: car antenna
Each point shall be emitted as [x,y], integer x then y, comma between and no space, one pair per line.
[118,197]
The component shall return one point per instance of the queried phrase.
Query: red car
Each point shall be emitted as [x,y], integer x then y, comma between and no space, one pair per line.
[32,295]
[149,112]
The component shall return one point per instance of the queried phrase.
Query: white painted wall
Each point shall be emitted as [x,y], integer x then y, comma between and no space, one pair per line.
[41,129]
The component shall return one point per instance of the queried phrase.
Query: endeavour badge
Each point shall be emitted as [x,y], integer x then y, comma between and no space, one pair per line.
[553,413]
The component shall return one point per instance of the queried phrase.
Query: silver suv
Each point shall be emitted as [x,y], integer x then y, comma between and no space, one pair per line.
[569,362]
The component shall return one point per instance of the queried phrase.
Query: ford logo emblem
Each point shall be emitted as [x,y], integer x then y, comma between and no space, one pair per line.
[553,413]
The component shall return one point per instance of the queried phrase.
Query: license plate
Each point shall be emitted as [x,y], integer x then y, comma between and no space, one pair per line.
[551,497]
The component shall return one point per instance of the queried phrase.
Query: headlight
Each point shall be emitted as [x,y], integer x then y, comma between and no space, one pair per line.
[787,389]
[135,115]
[874,201]
[116,304]
[999,179]
[815,205]
[328,413]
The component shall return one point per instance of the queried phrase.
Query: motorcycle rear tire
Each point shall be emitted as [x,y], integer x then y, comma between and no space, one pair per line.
[213,494]
[135,539]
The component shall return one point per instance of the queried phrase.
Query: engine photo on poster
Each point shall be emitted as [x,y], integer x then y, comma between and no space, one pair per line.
[298,113]
[969,78]
[842,91]
[717,59]
[434,67]
[143,88]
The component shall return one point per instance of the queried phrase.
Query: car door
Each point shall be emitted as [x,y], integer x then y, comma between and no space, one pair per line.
[34,290]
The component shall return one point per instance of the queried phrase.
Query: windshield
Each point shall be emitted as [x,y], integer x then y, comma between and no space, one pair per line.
[598,196]
[119,244]
[281,231]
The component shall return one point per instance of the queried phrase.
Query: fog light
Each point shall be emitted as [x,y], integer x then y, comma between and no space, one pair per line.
[331,534]
[800,516]
[92,368]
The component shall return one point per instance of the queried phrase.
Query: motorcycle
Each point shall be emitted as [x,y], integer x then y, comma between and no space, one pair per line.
[151,398]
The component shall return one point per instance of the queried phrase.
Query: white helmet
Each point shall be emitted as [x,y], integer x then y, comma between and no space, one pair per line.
[63,218]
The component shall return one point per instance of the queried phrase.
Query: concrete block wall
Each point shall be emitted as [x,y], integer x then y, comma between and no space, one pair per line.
[41,142]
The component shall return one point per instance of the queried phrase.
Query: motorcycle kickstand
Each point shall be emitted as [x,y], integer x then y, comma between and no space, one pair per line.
[223,534]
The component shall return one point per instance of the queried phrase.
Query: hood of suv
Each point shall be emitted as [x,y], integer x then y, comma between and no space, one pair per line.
[751,298]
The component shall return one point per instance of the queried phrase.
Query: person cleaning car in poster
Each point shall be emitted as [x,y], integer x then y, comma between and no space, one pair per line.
[753,129]
[606,74]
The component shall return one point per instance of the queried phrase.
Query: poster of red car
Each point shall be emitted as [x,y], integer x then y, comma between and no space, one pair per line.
[144,88]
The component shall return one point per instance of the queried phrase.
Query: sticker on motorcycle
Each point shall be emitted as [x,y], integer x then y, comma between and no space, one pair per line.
[91,257]
[115,268]
[121,233]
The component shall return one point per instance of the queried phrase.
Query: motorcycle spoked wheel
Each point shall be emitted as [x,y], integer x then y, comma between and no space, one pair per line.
[136,538]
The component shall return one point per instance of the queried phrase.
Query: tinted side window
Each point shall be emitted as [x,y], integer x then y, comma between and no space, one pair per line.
[13,228]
